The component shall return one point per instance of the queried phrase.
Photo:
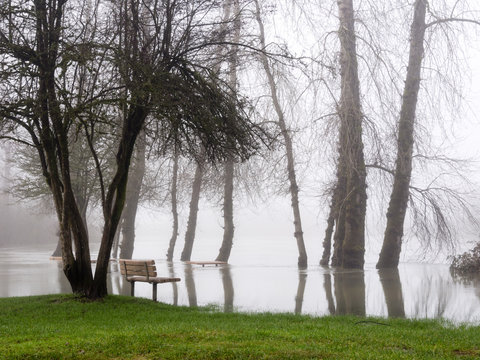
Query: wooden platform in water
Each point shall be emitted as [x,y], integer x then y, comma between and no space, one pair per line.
[203,263]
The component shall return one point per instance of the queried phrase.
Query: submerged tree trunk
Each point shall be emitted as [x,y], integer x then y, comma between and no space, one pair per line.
[297,222]
[192,217]
[352,149]
[134,185]
[327,241]
[340,194]
[335,224]
[397,208]
[229,227]
[173,193]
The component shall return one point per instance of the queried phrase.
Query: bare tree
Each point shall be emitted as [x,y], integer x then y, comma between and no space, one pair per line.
[294,189]
[192,218]
[351,159]
[229,167]
[174,201]
[392,243]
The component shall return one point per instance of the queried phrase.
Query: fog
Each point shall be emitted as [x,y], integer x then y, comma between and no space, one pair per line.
[262,271]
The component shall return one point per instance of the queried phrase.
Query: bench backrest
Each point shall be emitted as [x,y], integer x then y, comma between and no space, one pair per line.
[138,268]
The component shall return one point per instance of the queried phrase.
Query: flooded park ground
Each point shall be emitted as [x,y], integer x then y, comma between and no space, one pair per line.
[414,291]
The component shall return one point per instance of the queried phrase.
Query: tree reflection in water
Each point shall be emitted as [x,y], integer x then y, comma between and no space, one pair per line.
[302,281]
[392,288]
[227,288]
[171,273]
[414,291]
[350,292]
[327,286]
[190,285]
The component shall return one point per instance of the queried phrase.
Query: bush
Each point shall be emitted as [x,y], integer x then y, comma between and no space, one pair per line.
[467,263]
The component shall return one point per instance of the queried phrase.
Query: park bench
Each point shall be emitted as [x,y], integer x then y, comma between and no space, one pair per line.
[143,271]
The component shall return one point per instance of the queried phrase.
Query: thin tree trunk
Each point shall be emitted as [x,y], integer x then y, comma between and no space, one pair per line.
[173,192]
[392,242]
[327,241]
[192,217]
[352,150]
[229,227]
[134,186]
[197,182]
[339,235]
[298,234]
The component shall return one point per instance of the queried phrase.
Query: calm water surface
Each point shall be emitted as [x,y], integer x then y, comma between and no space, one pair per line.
[414,291]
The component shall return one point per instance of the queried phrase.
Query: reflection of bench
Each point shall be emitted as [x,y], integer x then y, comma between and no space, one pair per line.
[143,271]
[203,263]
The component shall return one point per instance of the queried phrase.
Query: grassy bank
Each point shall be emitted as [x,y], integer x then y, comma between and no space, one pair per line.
[62,327]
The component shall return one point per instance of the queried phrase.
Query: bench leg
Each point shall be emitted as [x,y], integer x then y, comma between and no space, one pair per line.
[132,288]
[154,291]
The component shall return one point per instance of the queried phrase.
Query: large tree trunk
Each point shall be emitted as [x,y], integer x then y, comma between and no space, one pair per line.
[134,186]
[352,150]
[192,217]
[53,150]
[173,193]
[392,242]
[115,197]
[297,222]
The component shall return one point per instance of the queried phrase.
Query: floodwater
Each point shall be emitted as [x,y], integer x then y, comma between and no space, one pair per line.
[414,291]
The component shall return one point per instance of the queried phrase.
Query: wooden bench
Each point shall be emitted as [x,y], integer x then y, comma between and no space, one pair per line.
[203,263]
[143,271]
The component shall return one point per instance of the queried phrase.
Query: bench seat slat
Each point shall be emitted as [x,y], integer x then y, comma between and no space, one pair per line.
[137,262]
[158,280]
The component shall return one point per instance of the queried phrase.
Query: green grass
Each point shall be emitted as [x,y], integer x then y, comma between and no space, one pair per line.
[63,327]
